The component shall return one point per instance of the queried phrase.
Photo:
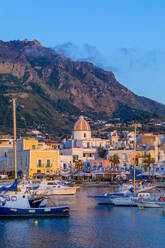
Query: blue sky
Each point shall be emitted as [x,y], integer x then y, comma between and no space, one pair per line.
[125,36]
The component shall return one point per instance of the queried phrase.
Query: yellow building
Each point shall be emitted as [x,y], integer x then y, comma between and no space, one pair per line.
[143,156]
[114,137]
[27,144]
[30,144]
[46,162]
[34,157]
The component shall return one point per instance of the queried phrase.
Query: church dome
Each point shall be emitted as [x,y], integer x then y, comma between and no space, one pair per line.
[82,125]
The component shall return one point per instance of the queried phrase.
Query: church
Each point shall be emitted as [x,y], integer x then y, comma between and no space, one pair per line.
[82,145]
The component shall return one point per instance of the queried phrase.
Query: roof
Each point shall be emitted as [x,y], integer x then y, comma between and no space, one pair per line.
[82,125]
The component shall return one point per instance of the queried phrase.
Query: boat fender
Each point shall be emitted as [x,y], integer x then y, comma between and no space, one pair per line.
[161,198]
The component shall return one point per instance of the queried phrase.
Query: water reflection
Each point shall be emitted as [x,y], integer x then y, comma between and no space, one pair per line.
[89,225]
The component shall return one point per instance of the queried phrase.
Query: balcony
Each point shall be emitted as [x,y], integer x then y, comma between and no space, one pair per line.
[44,165]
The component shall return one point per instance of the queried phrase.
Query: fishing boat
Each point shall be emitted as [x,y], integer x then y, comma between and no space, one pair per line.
[15,204]
[21,204]
[55,188]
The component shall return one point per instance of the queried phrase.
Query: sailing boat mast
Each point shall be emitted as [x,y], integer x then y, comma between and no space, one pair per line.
[134,158]
[15,137]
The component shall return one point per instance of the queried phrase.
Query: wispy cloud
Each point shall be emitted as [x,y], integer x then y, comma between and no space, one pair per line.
[136,57]
[86,52]
[125,51]
[147,59]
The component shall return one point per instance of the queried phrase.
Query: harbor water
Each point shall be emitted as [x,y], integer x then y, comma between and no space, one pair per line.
[88,226]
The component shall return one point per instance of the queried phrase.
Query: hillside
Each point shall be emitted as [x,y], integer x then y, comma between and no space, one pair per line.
[52,91]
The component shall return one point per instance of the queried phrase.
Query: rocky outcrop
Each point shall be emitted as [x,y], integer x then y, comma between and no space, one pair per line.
[53,89]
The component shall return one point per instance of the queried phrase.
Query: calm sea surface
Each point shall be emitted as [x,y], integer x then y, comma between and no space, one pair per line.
[90,225]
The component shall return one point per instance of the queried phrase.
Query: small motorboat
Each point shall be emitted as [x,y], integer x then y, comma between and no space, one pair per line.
[130,201]
[151,203]
[55,188]
[124,201]
[146,203]
[108,198]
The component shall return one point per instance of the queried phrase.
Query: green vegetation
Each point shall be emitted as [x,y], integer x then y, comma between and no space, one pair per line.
[101,151]
[114,160]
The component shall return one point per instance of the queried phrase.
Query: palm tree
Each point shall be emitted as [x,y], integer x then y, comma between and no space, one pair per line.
[79,165]
[148,161]
[114,160]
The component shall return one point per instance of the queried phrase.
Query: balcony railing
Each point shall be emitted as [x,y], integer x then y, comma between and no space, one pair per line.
[44,165]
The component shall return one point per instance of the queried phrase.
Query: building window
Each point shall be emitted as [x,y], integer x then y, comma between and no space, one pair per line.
[39,163]
[84,135]
[75,158]
[48,163]
[33,147]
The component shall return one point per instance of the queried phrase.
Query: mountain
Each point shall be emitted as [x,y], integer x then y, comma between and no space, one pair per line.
[52,91]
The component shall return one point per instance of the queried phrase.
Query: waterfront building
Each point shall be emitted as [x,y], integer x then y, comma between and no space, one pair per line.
[5,146]
[99,163]
[144,157]
[33,158]
[125,156]
[65,162]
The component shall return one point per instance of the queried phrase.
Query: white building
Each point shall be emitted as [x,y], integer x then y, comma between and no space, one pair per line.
[82,145]
[125,156]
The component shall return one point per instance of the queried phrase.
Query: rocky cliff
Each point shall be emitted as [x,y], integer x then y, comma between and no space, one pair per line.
[52,90]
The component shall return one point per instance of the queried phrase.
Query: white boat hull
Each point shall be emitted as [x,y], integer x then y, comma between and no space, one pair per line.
[124,202]
[57,191]
[148,204]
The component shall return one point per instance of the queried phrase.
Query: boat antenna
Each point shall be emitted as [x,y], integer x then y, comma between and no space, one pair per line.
[134,157]
[15,136]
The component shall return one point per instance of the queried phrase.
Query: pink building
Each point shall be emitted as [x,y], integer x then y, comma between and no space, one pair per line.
[99,162]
